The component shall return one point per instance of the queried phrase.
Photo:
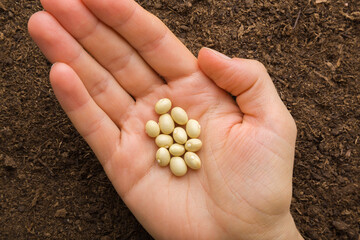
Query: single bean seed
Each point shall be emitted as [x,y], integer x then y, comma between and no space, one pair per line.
[193,128]
[179,115]
[166,123]
[164,140]
[193,145]
[192,160]
[152,128]
[180,135]
[163,156]
[163,106]
[177,150]
[178,166]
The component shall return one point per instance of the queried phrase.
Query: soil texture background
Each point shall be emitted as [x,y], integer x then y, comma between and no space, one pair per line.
[51,184]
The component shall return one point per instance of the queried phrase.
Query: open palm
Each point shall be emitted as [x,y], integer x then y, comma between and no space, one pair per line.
[109,55]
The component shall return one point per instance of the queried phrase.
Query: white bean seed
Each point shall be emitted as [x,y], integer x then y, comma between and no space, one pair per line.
[193,145]
[180,135]
[192,160]
[169,152]
[193,128]
[177,150]
[163,106]
[179,115]
[166,123]
[152,128]
[164,140]
[163,156]
[178,166]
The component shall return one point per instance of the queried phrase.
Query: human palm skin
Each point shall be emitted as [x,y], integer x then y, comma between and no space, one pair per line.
[108,56]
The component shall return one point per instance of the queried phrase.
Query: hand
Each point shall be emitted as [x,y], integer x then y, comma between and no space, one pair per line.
[108,56]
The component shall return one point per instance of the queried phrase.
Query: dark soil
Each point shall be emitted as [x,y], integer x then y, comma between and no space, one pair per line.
[51,184]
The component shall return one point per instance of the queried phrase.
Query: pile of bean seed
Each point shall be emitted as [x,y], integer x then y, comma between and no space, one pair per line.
[180,154]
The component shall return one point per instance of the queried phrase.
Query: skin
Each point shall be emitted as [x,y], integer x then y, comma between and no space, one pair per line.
[243,189]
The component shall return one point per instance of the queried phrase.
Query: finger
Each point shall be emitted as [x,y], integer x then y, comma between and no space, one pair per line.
[160,48]
[59,46]
[89,119]
[249,81]
[106,46]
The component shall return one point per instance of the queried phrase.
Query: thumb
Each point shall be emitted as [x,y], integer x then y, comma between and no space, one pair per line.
[249,81]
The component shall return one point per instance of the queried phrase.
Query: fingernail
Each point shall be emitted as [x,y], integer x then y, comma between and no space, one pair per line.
[219,54]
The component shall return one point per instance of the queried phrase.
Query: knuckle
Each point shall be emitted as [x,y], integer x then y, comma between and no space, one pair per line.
[154,43]
[259,66]
[99,87]
[293,125]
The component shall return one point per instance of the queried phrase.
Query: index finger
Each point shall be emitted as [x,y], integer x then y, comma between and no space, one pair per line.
[160,48]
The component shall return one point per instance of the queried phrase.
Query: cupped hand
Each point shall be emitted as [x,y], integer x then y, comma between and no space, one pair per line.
[109,56]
